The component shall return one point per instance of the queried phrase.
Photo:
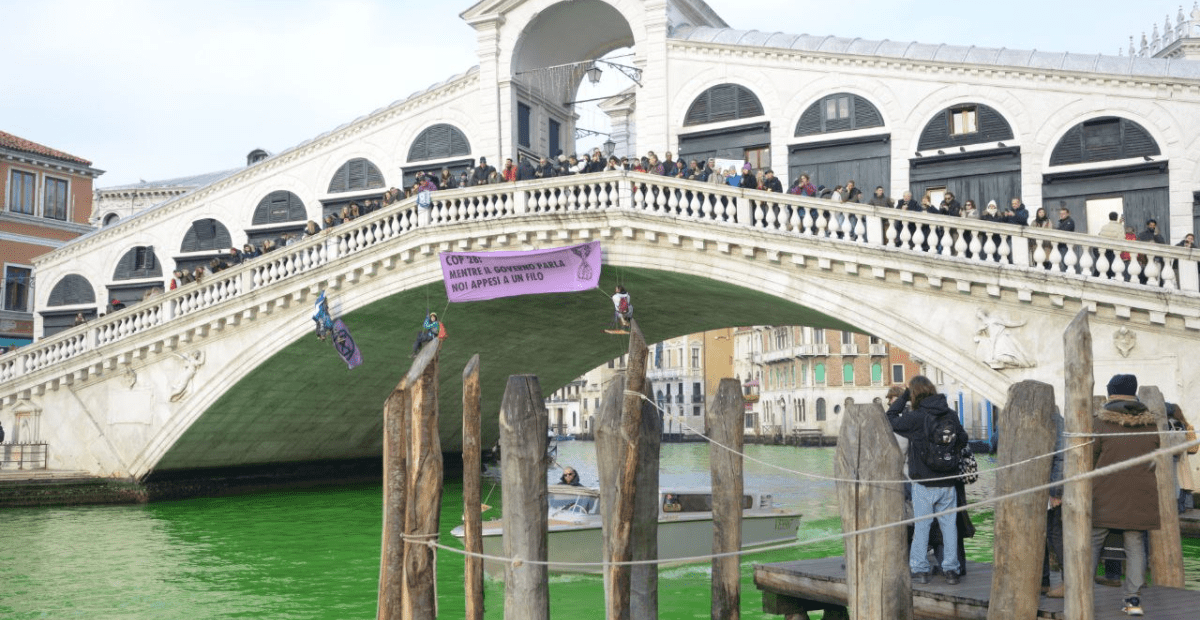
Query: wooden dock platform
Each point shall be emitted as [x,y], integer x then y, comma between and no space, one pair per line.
[812,585]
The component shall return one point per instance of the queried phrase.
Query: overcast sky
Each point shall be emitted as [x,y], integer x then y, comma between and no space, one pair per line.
[155,89]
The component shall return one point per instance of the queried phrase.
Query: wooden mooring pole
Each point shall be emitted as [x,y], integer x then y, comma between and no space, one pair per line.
[424,509]
[1020,534]
[877,573]
[472,455]
[726,427]
[620,548]
[610,460]
[523,425]
[1078,572]
[395,491]
[1166,548]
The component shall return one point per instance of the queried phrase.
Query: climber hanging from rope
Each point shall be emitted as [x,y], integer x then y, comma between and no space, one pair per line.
[622,310]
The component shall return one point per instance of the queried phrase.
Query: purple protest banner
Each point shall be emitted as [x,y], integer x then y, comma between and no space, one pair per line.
[476,276]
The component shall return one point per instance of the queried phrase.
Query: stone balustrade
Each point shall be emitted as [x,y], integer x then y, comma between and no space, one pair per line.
[1017,249]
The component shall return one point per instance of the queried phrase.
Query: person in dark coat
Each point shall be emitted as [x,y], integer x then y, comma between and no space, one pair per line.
[570,477]
[525,170]
[771,182]
[1020,215]
[1127,499]
[481,173]
[930,493]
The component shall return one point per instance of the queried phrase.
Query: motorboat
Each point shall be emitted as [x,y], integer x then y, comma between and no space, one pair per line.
[685,527]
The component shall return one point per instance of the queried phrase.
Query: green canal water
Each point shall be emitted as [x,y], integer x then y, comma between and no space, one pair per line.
[314,554]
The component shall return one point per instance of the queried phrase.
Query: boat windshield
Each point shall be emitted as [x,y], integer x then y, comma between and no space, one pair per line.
[573,502]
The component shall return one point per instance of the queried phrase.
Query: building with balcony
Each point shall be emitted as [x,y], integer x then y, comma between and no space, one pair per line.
[798,380]
[47,201]
[563,407]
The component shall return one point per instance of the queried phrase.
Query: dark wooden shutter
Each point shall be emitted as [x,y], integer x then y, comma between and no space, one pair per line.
[725,102]
[277,207]
[523,114]
[554,133]
[138,262]
[1137,141]
[72,290]
[374,176]
[865,114]
[1069,149]
[357,176]
[436,142]
[339,181]
[206,234]
[810,121]
[990,127]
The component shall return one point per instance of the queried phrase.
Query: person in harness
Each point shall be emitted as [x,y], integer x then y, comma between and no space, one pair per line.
[431,329]
[322,319]
[622,307]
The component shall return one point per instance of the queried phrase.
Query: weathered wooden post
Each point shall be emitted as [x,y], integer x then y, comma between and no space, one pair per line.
[395,491]
[725,425]
[610,459]
[877,574]
[643,578]
[1020,539]
[1166,548]
[472,511]
[523,424]
[424,507]
[631,424]
[1078,571]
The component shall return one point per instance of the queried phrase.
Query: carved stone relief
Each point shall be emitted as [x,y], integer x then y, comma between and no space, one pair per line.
[181,386]
[996,342]
[1124,340]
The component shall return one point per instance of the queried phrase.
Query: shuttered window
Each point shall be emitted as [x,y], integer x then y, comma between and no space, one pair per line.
[839,112]
[72,290]
[355,175]
[278,207]
[523,117]
[138,262]
[1103,139]
[438,142]
[726,102]
[206,234]
[969,123]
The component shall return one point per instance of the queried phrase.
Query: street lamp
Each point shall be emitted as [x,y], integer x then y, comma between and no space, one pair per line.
[593,74]
[609,147]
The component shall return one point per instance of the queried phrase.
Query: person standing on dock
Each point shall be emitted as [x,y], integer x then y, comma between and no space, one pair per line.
[1128,499]
[936,440]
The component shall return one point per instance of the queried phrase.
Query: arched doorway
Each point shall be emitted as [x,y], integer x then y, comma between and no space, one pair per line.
[563,46]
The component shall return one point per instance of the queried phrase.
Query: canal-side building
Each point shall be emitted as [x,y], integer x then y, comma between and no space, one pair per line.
[47,201]
[562,409]
[798,380]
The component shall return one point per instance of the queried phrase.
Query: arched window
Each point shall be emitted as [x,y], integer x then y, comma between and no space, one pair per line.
[204,235]
[438,142]
[1103,139]
[840,112]
[848,374]
[111,219]
[72,290]
[138,262]
[725,102]
[962,124]
[356,174]
[278,207]
[820,409]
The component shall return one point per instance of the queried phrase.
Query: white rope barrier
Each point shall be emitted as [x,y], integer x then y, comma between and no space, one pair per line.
[831,478]
[1103,471]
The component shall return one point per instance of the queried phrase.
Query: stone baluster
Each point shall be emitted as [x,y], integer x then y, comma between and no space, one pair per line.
[1086,262]
[822,224]
[1152,271]
[918,239]
[1168,275]
[1069,259]
[860,230]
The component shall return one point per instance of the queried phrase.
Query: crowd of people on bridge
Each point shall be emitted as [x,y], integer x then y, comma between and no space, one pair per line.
[938,462]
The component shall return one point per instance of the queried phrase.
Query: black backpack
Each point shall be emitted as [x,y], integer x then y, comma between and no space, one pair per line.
[939,450]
